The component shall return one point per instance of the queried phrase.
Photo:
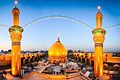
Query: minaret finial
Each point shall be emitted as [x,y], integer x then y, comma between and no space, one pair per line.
[99,8]
[15,2]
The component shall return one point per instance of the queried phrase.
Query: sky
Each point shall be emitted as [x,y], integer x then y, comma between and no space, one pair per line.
[43,34]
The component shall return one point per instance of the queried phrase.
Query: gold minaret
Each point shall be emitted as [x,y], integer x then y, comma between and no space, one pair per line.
[98,37]
[16,35]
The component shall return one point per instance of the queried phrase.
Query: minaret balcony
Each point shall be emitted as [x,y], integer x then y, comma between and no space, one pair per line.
[16,33]
[99,35]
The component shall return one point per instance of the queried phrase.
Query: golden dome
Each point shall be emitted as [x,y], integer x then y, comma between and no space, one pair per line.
[57,52]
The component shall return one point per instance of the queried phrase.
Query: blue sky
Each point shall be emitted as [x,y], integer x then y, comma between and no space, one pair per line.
[43,34]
